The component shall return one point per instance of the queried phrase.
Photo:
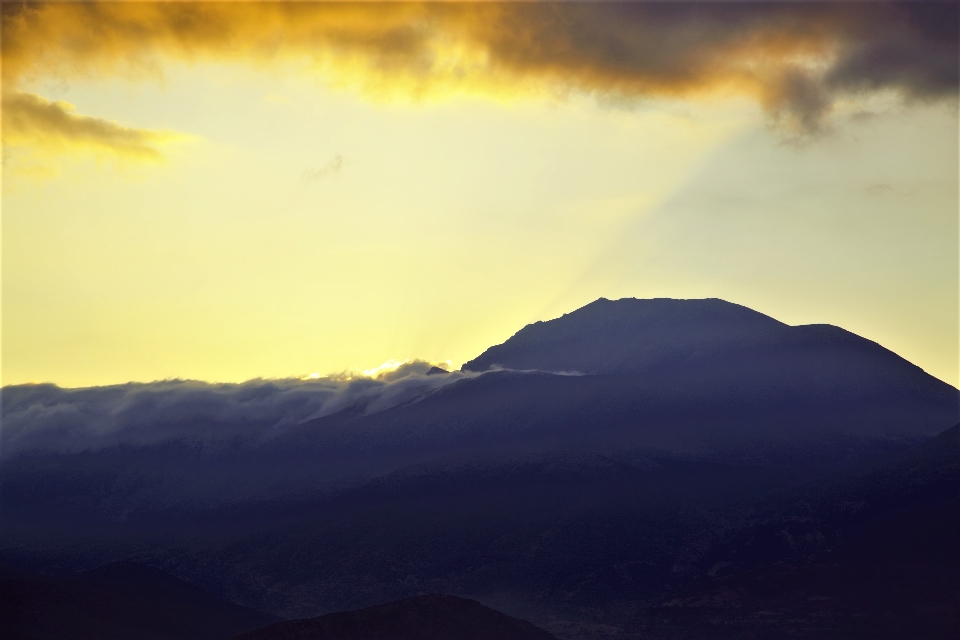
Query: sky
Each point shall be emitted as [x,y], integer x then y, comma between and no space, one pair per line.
[227,191]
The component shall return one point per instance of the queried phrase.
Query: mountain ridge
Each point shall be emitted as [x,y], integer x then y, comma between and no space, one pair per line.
[633,335]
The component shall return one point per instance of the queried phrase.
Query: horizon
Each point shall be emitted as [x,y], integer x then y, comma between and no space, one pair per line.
[392,369]
[226,192]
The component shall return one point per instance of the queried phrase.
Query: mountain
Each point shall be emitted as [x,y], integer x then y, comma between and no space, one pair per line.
[696,379]
[432,617]
[701,379]
[627,336]
[631,454]
[120,601]
[714,343]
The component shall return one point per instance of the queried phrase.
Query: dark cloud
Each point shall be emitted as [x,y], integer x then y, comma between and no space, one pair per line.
[796,59]
[45,417]
[915,50]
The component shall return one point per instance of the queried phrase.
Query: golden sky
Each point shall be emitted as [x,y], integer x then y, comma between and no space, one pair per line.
[223,191]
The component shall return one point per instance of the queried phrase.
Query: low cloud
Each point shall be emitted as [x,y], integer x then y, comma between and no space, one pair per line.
[33,121]
[330,168]
[42,418]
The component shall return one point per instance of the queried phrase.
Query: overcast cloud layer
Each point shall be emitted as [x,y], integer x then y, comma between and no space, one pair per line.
[45,418]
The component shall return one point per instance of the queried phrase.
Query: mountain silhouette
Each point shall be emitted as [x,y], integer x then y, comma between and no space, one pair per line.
[702,379]
[627,336]
[707,381]
[626,466]
[706,341]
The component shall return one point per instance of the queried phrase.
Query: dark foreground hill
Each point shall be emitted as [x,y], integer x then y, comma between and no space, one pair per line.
[121,601]
[431,617]
[691,551]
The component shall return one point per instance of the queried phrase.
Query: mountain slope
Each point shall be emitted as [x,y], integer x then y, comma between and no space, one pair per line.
[552,531]
[821,394]
[869,556]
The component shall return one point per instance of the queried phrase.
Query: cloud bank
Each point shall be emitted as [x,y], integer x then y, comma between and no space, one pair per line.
[45,418]
[795,59]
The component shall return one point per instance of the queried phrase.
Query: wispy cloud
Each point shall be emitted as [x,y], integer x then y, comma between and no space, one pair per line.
[33,121]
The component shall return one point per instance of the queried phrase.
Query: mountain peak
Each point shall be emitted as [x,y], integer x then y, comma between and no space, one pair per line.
[625,335]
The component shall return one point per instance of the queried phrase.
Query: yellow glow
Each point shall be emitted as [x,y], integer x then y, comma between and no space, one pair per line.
[490,177]
[386,367]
